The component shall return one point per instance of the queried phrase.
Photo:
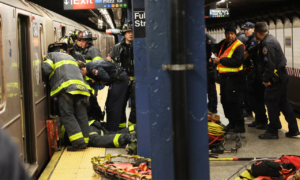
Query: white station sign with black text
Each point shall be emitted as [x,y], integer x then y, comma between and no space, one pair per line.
[139,23]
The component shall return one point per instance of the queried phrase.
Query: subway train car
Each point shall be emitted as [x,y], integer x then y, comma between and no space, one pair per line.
[287,33]
[26,29]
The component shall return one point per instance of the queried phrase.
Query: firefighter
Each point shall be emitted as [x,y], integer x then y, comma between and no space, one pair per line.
[229,62]
[71,50]
[114,76]
[272,64]
[211,84]
[90,52]
[99,137]
[93,109]
[77,43]
[255,89]
[68,85]
[122,53]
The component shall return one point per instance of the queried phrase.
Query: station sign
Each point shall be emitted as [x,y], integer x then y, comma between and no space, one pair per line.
[139,23]
[94,4]
[219,13]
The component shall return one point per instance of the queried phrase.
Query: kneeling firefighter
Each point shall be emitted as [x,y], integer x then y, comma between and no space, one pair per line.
[114,76]
[68,85]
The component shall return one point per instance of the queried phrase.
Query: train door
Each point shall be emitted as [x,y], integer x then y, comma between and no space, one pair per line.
[23,25]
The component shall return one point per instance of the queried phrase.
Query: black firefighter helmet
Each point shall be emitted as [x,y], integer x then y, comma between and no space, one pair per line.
[87,36]
[126,27]
[67,40]
[75,34]
[57,47]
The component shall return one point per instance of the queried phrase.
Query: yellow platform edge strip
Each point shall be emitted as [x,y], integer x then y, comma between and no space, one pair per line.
[51,165]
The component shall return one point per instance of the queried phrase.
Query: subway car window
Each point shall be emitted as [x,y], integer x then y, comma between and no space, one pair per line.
[1,68]
[63,31]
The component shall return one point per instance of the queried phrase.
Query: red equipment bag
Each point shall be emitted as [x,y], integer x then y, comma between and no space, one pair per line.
[290,159]
[53,129]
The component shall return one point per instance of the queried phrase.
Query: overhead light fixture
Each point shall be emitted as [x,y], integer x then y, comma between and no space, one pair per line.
[107,17]
[222,1]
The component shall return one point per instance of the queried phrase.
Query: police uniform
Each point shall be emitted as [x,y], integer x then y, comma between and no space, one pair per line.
[122,53]
[67,84]
[255,90]
[211,84]
[273,68]
[230,69]
[116,78]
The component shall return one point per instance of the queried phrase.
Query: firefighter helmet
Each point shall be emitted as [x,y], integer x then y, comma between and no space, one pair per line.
[75,34]
[68,40]
[57,47]
[86,35]
[127,27]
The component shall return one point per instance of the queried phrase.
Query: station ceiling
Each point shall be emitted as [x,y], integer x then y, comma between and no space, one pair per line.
[80,16]
[242,11]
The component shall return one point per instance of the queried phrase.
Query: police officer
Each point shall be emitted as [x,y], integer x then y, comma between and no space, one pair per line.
[254,88]
[275,79]
[71,50]
[77,43]
[241,36]
[68,85]
[229,59]
[211,84]
[122,53]
[114,76]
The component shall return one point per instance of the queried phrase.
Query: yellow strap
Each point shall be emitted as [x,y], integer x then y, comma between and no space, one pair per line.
[76,136]
[91,122]
[67,84]
[49,62]
[227,69]
[93,91]
[233,49]
[86,140]
[92,133]
[131,128]
[116,140]
[87,61]
[97,58]
[131,78]
[61,63]
[122,125]
[80,92]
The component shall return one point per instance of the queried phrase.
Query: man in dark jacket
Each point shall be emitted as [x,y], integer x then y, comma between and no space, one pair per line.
[68,85]
[229,62]
[254,88]
[114,76]
[122,53]
[275,78]
[11,166]
[211,84]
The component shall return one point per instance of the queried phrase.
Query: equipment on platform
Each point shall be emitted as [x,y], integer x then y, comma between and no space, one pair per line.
[218,137]
[136,167]
[283,168]
[53,131]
